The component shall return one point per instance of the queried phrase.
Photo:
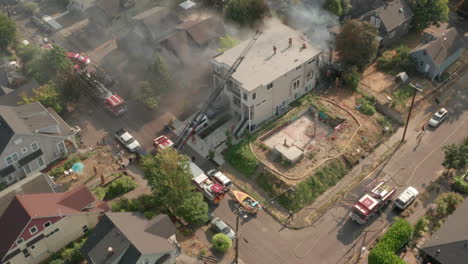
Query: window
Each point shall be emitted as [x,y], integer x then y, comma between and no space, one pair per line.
[33,230]
[392,34]
[405,25]
[244,95]
[85,228]
[269,86]
[12,158]
[216,68]
[296,84]
[19,241]
[18,141]
[32,247]
[311,61]
[61,147]
[254,96]
[372,20]
[34,146]
[27,168]
[377,22]
[47,224]
[24,150]
[236,101]
[40,161]
[26,253]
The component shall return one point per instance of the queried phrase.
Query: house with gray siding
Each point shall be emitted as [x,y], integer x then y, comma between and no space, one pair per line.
[128,237]
[437,52]
[392,20]
[31,137]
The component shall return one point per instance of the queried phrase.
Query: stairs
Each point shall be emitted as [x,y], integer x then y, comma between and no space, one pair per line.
[240,128]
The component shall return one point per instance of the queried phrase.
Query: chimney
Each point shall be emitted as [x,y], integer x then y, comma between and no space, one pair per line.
[274,49]
[437,252]
[290,42]
[304,45]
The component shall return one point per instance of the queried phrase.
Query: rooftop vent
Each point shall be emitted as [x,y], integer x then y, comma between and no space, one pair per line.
[274,49]
[400,10]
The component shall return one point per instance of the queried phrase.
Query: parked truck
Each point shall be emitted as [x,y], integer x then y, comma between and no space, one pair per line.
[213,192]
[372,202]
[109,100]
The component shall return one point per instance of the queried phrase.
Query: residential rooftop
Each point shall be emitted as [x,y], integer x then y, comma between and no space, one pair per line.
[393,13]
[260,66]
[445,46]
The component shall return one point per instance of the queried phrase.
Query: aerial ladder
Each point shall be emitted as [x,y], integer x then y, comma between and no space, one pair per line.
[189,128]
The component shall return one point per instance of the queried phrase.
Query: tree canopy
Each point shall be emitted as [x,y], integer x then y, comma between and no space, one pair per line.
[246,12]
[429,12]
[355,34]
[456,156]
[44,66]
[159,75]
[227,42]
[7,31]
[221,242]
[193,209]
[334,6]
[352,78]
[47,94]
[396,61]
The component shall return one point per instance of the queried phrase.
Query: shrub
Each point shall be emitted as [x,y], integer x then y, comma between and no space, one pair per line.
[100,193]
[447,203]
[149,214]
[421,226]
[120,186]
[367,107]
[221,242]
[69,254]
[393,62]
[459,184]
[58,170]
[352,78]
[394,239]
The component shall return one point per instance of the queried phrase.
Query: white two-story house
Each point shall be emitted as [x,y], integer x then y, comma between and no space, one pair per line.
[279,68]
[31,137]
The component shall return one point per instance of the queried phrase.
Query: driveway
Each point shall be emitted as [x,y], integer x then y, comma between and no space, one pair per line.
[334,238]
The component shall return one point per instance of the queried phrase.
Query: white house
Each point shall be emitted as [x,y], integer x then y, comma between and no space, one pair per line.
[279,68]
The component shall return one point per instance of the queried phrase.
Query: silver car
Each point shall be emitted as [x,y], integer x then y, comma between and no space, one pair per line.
[222,227]
[438,117]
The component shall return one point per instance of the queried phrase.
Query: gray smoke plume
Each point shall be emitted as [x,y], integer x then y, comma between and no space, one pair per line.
[314,22]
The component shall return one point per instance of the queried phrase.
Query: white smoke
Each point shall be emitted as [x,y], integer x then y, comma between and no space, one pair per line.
[314,22]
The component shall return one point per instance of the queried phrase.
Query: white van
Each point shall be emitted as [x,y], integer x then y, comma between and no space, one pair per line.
[406,198]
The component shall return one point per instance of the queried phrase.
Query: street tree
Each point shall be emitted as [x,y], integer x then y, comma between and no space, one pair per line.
[334,6]
[7,31]
[168,174]
[456,156]
[52,65]
[357,43]
[193,209]
[246,12]
[148,96]
[429,12]
[221,242]
[352,78]
[227,42]
[47,94]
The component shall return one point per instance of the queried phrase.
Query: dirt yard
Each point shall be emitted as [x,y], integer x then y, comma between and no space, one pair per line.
[327,143]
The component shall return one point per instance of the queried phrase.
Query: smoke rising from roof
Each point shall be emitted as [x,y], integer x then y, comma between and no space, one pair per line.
[313,21]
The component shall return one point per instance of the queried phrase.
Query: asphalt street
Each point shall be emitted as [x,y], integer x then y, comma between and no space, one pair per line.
[334,238]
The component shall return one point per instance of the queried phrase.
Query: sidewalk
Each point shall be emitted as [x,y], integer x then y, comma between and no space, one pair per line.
[380,156]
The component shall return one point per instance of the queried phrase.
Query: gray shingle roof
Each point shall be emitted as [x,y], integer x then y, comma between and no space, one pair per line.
[393,13]
[450,239]
[443,47]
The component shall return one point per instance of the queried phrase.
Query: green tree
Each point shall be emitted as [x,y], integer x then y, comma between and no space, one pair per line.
[334,6]
[159,75]
[246,12]
[169,176]
[447,203]
[7,31]
[430,12]
[352,78]
[52,65]
[227,42]
[148,95]
[221,242]
[360,34]
[396,61]
[47,94]
[122,185]
[193,209]
[456,156]
[394,239]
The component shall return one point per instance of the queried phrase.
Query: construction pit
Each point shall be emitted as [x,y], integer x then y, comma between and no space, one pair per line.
[308,138]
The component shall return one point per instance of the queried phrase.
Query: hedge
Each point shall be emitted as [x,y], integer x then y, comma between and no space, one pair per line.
[393,240]
[460,184]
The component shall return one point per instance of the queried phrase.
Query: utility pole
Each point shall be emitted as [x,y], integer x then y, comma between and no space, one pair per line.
[416,89]
[237,238]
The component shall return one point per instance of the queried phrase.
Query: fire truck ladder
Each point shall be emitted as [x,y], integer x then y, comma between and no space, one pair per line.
[189,129]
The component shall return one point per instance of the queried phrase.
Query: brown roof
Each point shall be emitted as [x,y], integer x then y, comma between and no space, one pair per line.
[179,44]
[204,31]
[437,30]
[12,222]
[443,47]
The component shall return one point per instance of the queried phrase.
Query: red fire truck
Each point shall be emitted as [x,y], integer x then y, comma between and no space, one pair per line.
[372,202]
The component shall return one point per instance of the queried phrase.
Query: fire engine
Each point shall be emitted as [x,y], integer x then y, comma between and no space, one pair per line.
[372,202]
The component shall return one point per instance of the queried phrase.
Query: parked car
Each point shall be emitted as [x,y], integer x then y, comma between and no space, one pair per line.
[438,117]
[220,178]
[406,198]
[127,140]
[222,227]
[78,59]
